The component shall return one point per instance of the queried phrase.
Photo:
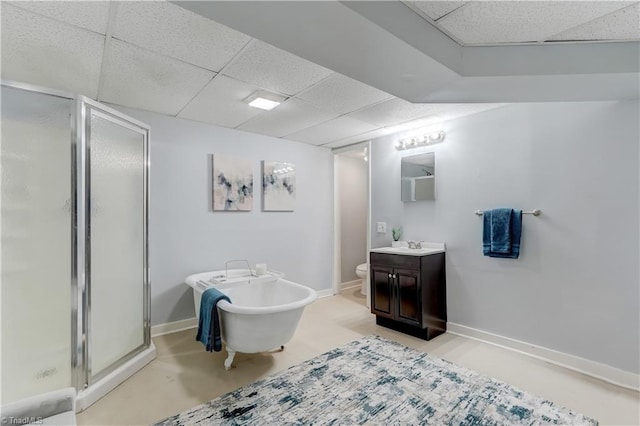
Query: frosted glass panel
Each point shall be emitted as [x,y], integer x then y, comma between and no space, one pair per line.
[117,241]
[36,243]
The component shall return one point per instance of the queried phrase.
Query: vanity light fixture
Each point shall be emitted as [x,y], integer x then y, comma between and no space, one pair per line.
[417,141]
[283,170]
[264,100]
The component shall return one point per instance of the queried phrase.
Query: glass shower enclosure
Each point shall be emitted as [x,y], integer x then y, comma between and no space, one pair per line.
[74,244]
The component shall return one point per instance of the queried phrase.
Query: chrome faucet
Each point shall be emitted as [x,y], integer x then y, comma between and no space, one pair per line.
[414,244]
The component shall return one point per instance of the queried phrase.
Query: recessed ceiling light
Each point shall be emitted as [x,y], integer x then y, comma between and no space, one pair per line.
[264,100]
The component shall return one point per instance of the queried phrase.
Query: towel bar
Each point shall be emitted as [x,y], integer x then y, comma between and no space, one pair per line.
[535,212]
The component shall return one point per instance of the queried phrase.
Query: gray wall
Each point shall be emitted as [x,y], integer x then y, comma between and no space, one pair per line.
[385,190]
[352,192]
[187,237]
[575,286]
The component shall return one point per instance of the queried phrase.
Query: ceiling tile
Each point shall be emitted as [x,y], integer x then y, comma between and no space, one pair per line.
[393,111]
[171,30]
[45,52]
[274,69]
[440,113]
[331,130]
[291,116]
[90,15]
[221,103]
[620,25]
[436,9]
[342,94]
[430,121]
[486,22]
[137,78]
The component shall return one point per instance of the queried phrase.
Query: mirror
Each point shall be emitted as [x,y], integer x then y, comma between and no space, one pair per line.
[418,177]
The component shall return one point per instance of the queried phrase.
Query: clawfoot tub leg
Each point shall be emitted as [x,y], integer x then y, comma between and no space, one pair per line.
[229,360]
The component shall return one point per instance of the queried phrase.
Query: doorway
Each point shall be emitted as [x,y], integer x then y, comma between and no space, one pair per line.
[352,218]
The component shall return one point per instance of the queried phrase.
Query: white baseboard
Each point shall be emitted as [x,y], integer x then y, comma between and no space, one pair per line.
[173,327]
[595,369]
[325,293]
[350,284]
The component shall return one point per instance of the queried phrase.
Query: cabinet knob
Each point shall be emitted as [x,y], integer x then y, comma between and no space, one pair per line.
[389,275]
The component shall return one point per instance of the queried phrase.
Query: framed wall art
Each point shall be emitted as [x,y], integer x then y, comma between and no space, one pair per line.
[232,183]
[278,186]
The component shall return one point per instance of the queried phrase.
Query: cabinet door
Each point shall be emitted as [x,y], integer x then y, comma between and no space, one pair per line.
[382,291]
[408,296]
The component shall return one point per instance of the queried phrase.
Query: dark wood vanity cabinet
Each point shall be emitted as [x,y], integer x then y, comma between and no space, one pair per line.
[408,293]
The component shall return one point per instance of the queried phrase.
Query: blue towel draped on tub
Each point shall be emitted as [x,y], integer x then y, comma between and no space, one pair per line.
[209,323]
[501,233]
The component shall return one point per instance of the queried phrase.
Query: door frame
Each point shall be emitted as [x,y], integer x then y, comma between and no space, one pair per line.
[85,108]
[337,226]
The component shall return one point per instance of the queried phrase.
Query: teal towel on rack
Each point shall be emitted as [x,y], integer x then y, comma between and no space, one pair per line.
[209,323]
[500,221]
[502,229]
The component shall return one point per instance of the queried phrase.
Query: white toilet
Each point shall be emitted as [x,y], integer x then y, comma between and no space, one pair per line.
[361,272]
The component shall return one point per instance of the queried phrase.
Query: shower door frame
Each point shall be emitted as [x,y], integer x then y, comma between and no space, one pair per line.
[81,377]
[84,107]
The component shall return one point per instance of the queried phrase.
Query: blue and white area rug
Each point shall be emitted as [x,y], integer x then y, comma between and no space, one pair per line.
[376,381]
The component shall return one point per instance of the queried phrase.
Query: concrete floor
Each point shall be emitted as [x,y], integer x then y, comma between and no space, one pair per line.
[184,375]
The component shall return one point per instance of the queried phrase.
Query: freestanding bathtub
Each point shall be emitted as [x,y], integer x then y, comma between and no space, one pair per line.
[264,311]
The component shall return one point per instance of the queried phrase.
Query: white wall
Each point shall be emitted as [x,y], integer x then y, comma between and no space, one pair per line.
[187,237]
[575,287]
[352,192]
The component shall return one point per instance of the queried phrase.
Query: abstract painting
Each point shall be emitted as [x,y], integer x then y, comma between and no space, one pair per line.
[232,183]
[278,186]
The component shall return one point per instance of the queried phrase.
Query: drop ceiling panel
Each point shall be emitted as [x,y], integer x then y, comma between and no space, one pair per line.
[288,118]
[342,94]
[137,78]
[221,103]
[620,25]
[90,15]
[432,120]
[393,111]
[487,22]
[439,114]
[265,66]
[168,29]
[48,53]
[331,130]
[436,9]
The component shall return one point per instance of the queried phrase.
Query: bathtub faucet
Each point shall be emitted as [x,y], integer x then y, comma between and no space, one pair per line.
[226,267]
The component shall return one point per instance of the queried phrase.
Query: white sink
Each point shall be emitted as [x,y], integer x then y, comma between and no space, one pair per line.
[432,248]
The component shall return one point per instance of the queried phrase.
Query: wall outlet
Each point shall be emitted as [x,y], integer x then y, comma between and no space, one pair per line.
[381,227]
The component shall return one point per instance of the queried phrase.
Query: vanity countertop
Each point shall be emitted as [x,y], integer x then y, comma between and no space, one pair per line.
[427,248]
